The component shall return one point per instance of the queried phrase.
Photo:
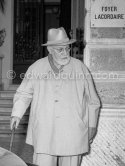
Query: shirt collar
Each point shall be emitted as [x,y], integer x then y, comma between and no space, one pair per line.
[68,68]
[54,68]
[64,68]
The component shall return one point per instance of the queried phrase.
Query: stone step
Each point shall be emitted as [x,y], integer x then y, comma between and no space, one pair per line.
[7,137]
[13,87]
[6,105]
[6,119]
[7,93]
[6,100]
[5,110]
[17,131]
[7,126]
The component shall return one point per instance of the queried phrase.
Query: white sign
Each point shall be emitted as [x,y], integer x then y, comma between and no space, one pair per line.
[107,13]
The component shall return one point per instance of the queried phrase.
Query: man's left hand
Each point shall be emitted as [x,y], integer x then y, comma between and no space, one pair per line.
[92,132]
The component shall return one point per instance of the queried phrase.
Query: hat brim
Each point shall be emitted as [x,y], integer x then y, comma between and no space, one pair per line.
[60,43]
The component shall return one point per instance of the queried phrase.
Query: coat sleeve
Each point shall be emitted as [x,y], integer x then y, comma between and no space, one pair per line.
[23,96]
[92,99]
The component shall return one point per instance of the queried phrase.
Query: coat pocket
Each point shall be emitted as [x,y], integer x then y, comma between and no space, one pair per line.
[80,120]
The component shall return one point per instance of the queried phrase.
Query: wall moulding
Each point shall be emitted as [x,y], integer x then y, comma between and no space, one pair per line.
[102,58]
[112,94]
[107,65]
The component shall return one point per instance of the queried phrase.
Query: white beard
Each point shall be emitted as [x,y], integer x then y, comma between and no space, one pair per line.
[63,61]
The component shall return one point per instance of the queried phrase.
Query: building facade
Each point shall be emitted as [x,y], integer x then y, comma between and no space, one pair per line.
[99,27]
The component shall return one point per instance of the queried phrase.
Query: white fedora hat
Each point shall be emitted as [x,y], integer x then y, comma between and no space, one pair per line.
[58,37]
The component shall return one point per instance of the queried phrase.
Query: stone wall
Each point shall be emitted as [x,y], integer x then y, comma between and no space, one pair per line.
[105,57]
[6,22]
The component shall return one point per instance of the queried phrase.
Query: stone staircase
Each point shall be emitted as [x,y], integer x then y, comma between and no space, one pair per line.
[6,103]
[20,148]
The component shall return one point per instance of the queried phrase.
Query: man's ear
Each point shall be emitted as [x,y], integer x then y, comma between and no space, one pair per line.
[49,49]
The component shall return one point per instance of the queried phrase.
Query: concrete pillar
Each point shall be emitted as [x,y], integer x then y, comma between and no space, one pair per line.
[77,24]
[7,47]
[1,58]
[105,57]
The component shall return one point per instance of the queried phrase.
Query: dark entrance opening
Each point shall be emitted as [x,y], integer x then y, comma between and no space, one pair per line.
[32,19]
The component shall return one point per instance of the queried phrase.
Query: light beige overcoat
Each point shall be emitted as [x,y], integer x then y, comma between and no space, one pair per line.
[62,107]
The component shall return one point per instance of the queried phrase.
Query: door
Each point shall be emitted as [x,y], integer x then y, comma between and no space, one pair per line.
[28,28]
[65,15]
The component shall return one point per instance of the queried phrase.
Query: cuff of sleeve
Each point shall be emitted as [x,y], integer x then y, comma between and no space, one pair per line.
[19,109]
[93,116]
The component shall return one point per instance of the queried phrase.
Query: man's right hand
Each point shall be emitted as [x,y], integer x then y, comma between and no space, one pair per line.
[14,122]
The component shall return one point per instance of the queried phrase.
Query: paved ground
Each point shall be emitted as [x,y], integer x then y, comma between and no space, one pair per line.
[20,148]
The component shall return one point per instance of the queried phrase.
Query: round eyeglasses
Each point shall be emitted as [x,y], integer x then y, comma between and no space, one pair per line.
[61,50]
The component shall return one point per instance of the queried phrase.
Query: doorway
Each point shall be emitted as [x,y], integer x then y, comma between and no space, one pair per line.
[32,19]
[28,20]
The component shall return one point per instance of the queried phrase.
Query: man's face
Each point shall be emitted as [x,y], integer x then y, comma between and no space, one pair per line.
[61,54]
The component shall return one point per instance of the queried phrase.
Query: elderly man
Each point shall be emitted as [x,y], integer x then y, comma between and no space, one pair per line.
[64,105]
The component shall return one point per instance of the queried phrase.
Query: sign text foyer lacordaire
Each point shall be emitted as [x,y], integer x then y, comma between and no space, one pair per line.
[107,13]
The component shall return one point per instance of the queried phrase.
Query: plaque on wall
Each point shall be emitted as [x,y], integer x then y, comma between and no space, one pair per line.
[103,34]
[107,13]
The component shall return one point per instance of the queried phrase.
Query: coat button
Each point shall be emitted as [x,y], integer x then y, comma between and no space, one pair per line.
[57,117]
[56,101]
